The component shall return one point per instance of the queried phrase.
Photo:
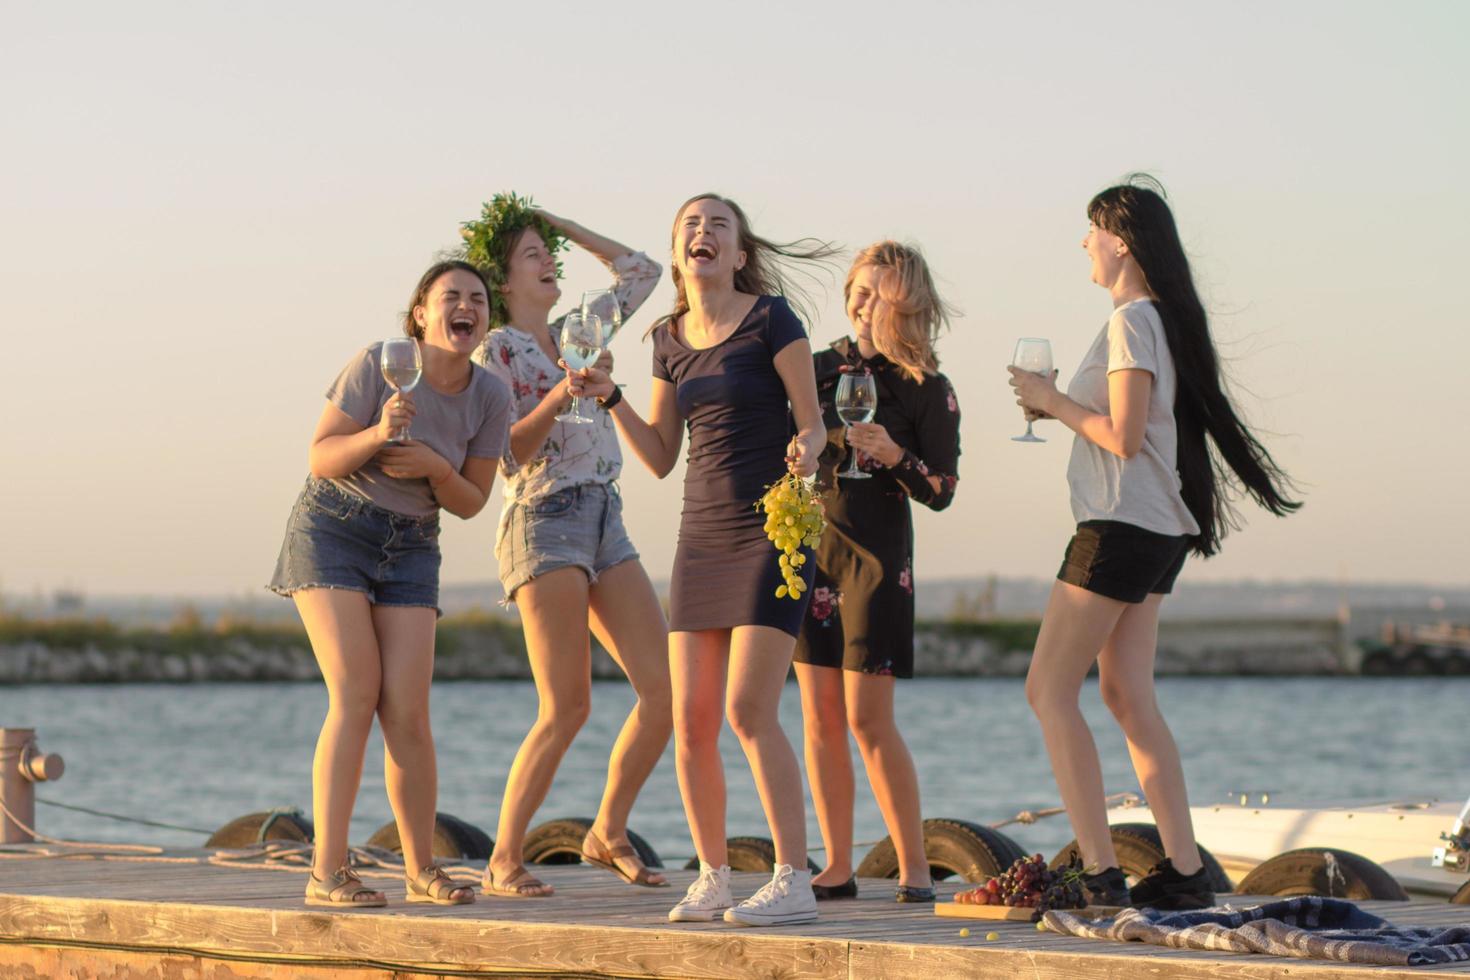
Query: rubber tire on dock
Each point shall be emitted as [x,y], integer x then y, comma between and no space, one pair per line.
[1304,871]
[1462,897]
[1139,848]
[256,827]
[750,854]
[954,847]
[453,838]
[560,842]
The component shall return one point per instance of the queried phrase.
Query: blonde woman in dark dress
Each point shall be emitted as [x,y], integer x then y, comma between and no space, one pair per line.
[858,636]
[728,362]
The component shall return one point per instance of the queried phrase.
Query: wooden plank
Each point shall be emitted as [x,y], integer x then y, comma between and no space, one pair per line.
[428,942]
[963,910]
[594,924]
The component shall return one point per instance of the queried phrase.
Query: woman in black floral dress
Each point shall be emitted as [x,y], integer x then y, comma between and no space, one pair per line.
[858,635]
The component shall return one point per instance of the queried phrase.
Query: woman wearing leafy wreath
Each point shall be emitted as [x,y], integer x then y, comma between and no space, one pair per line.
[565,559]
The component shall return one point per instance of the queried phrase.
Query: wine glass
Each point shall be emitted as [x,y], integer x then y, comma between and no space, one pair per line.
[1032,354]
[604,304]
[402,367]
[857,400]
[581,345]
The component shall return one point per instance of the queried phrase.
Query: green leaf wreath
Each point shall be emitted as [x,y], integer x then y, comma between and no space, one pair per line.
[488,241]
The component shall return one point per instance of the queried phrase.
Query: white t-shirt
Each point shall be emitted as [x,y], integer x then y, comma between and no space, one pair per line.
[1142,491]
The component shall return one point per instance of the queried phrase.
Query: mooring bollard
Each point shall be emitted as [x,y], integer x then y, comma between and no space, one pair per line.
[22,763]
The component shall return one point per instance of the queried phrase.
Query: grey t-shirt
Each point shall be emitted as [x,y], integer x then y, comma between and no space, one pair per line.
[1142,491]
[473,422]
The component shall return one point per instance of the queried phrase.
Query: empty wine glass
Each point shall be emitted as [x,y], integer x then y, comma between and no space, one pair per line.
[1032,354]
[857,400]
[604,304]
[581,345]
[402,367]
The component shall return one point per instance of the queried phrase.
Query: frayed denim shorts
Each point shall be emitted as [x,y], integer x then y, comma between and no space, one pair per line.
[579,526]
[338,540]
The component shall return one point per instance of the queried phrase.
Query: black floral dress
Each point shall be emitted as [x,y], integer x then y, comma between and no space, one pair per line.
[862,601]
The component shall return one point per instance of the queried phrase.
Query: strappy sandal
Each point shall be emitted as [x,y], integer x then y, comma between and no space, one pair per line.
[341,890]
[519,885]
[432,884]
[594,851]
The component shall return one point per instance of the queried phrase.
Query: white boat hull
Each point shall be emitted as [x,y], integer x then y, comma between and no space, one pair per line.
[1400,836]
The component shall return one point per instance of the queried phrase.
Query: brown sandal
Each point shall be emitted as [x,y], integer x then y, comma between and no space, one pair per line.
[594,851]
[341,890]
[519,885]
[432,884]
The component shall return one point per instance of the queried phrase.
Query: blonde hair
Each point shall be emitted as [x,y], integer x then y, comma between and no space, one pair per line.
[910,314]
[768,264]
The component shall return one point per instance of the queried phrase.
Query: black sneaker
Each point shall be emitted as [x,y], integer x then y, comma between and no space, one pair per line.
[1167,889]
[1107,887]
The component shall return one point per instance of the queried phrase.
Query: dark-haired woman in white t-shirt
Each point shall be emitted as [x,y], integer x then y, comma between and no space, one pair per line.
[1145,493]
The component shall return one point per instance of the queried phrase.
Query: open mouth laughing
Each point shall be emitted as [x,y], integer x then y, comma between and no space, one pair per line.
[462,325]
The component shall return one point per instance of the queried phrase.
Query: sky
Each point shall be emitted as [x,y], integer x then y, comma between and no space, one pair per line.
[207,209]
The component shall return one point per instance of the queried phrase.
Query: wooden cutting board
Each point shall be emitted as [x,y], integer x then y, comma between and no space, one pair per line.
[1008,913]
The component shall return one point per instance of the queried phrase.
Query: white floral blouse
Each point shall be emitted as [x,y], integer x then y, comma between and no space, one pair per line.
[574,453]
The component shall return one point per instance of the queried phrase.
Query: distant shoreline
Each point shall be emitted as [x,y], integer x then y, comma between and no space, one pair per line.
[482,646]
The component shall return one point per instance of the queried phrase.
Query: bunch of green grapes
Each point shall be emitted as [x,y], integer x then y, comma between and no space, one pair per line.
[793,518]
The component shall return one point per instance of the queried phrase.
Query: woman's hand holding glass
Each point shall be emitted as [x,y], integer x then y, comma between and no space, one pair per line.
[591,382]
[582,346]
[872,440]
[856,400]
[1035,393]
[398,412]
[1033,359]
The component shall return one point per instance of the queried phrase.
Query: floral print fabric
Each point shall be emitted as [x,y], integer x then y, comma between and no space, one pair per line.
[574,453]
[862,611]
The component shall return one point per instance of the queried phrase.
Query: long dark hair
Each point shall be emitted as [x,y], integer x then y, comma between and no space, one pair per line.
[768,265]
[1136,212]
[411,327]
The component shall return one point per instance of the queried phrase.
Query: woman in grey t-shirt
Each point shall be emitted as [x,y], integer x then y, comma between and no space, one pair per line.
[361,561]
[1145,492]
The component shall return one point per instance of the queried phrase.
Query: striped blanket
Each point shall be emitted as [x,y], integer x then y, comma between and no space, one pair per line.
[1306,928]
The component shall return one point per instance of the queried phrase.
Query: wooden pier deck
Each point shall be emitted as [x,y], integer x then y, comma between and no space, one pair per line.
[83,918]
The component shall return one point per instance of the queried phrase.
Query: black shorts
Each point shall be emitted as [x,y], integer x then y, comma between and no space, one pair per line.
[1123,561]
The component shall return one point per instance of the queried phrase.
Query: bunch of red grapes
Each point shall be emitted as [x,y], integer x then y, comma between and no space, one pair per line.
[1029,883]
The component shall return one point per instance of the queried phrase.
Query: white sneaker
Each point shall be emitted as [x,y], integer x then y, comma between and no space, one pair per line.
[706,898]
[784,900]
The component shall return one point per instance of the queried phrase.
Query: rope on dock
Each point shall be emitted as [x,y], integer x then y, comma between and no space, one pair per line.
[1031,816]
[125,819]
[270,855]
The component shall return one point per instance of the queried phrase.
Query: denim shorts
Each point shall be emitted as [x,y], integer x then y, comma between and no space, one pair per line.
[1122,561]
[579,526]
[338,540]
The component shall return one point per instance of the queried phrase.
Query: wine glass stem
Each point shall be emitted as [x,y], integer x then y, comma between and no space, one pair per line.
[1028,429]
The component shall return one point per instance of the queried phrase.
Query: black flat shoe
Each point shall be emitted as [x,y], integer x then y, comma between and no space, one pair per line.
[1167,889]
[825,893]
[920,896]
